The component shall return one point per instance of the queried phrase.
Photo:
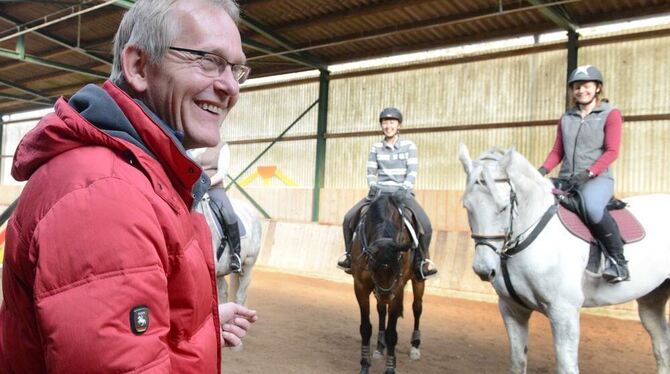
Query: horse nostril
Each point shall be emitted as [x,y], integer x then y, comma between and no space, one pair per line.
[492,274]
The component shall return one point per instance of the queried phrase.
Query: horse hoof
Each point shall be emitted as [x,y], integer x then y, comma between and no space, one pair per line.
[377,354]
[238,348]
[414,354]
[389,371]
[364,370]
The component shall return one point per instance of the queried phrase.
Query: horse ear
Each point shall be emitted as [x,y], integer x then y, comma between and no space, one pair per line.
[464,156]
[508,158]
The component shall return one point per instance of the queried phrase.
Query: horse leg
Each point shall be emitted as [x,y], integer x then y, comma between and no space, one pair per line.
[395,312]
[243,282]
[651,309]
[365,329]
[222,288]
[417,308]
[564,321]
[516,323]
[381,335]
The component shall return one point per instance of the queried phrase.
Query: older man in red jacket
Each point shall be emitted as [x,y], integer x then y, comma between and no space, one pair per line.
[107,268]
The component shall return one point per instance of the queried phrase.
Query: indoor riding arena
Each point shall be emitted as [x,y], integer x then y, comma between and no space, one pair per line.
[485,73]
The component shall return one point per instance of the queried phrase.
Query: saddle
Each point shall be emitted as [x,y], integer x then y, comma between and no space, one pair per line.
[572,214]
[409,220]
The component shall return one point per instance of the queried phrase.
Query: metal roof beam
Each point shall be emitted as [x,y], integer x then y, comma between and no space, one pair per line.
[57,40]
[25,99]
[37,94]
[555,13]
[301,59]
[272,52]
[357,12]
[271,35]
[6,53]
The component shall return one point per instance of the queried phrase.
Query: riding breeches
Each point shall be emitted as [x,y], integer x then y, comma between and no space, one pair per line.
[596,193]
[221,198]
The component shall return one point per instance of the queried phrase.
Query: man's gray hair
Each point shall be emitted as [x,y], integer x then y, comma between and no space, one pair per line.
[149,26]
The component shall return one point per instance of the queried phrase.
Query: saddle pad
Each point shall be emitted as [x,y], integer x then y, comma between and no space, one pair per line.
[630,228]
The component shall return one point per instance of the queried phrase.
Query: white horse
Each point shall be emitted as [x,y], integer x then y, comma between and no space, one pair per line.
[506,198]
[250,245]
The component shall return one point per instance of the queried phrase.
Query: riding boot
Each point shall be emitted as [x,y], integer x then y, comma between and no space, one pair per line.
[233,237]
[345,262]
[607,232]
[422,267]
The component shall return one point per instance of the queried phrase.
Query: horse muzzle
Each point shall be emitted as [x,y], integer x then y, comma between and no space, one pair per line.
[485,264]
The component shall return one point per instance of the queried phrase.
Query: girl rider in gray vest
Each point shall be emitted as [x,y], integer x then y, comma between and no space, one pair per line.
[392,167]
[587,142]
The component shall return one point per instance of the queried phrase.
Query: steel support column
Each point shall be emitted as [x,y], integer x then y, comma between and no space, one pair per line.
[573,47]
[322,126]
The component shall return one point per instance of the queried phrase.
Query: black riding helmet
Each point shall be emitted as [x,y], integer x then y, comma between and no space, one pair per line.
[585,73]
[390,113]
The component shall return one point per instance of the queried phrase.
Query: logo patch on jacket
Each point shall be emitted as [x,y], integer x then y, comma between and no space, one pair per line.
[139,319]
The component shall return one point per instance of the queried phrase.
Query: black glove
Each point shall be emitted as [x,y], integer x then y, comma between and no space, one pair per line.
[580,178]
[374,190]
[400,195]
[543,171]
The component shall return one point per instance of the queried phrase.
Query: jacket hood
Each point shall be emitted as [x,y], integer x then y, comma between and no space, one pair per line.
[110,118]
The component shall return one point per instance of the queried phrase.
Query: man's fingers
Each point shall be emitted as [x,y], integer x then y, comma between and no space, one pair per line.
[242,322]
[230,340]
[233,329]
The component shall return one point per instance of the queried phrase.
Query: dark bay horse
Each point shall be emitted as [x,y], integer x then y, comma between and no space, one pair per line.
[382,263]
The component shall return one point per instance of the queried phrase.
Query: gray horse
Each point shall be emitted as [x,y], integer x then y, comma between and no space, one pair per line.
[250,245]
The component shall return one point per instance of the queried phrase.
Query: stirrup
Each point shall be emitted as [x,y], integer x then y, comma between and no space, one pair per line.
[239,261]
[622,272]
[421,265]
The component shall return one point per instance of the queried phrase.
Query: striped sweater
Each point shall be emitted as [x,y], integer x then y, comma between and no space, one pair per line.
[393,166]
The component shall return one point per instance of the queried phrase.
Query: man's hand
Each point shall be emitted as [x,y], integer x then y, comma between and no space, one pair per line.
[235,321]
[542,170]
[580,178]
[374,190]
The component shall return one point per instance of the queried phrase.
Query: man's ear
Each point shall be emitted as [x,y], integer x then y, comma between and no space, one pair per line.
[135,63]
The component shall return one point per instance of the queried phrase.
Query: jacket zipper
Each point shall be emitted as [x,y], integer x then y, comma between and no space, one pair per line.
[574,149]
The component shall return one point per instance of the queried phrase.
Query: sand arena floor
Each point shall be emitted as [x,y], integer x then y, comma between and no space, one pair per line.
[311,326]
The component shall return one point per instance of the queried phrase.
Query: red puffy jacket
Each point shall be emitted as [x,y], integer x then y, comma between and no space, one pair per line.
[103,230]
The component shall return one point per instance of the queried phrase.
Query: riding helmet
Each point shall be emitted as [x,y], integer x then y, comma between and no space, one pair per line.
[585,73]
[390,113]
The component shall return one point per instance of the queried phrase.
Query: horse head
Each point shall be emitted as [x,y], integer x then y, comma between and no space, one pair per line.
[387,244]
[502,194]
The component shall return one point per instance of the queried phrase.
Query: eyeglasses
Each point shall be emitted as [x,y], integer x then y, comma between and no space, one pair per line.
[214,65]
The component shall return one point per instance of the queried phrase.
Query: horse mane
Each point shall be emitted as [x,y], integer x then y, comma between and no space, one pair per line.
[514,166]
[379,219]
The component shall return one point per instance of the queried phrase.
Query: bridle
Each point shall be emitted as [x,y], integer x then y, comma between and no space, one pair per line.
[485,239]
[512,245]
[382,291]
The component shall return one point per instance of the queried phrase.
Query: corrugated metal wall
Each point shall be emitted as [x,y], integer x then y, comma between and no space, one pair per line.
[509,89]
[516,88]
[266,113]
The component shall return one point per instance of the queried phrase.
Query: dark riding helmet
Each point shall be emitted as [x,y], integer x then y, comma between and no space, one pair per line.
[585,73]
[390,113]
